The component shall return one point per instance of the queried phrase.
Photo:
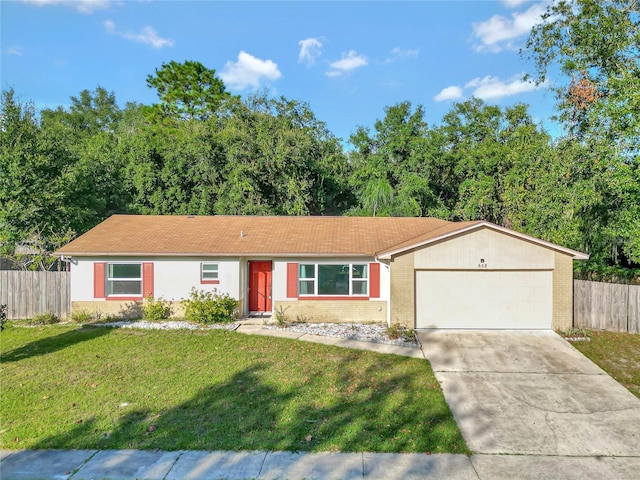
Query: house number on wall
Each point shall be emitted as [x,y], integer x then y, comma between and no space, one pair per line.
[482,264]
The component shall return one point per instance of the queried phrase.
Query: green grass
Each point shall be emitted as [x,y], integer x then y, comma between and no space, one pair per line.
[618,354]
[91,387]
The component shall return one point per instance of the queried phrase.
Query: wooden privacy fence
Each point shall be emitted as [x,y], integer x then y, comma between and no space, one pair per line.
[29,293]
[606,306]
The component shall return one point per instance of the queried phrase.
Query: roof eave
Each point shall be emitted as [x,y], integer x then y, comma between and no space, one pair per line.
[388,254]
[212,254]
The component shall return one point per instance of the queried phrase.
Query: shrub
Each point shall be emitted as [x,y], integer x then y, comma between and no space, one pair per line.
[46,318]
[82,316]
[209,307]
[281,316]
[3,317]
[396,331]
[156,308]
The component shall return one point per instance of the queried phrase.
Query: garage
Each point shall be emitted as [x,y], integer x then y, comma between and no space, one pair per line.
[517,299]
[482,276]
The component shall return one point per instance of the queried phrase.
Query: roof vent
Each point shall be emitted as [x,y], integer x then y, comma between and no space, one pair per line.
[242,234]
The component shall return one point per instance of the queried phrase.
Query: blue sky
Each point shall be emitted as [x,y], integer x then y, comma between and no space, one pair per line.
[347,60]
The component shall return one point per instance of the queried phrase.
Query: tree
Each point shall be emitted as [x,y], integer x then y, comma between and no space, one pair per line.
[58,176]
[594,44]
[187,90]
[280,160]
[392,172]
[170,169]
[90,112]
[34,189]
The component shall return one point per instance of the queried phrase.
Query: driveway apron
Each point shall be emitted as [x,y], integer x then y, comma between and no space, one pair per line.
[531,392]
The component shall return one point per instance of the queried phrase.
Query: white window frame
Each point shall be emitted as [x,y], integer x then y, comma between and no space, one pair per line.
[110,279]
[202,272]
[316,282]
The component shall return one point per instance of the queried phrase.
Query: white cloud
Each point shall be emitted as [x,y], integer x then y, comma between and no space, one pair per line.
[399,54]
[349,61]
[310,49]
[15,50]
[450,93]
[490,88]
[147,35]
[499,32]
[514,3]
[82,6]
[249,71]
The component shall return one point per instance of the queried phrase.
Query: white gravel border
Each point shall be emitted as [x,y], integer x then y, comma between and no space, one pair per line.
[374,332]
[167,325]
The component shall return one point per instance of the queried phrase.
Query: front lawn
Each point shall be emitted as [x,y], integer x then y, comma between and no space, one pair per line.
[618,354]
[96,387]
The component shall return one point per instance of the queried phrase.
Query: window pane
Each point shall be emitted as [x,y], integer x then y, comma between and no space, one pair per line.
[360,271]
[333,279]
[125,288]
[307,271]
[306,287]
[125,270]
[359,287]
[209,271]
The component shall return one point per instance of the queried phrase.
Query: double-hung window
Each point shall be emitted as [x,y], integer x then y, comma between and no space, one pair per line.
[319,279]
[208,272]
[124,279]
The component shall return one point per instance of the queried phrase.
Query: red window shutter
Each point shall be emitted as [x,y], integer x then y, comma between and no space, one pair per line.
[292,280]
[147,279]
[374,280]
[99,279]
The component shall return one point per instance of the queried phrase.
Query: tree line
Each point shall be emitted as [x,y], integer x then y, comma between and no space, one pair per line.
[200,150]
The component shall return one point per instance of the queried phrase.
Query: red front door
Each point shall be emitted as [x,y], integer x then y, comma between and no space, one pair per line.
[259,286]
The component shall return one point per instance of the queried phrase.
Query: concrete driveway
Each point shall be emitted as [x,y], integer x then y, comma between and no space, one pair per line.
[531,393]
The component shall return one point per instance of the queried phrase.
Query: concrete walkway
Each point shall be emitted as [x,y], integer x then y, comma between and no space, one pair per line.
[200,465]
[526,403]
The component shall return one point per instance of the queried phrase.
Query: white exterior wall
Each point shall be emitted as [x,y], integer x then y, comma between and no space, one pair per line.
[279,280]
[82,279]
[173,277]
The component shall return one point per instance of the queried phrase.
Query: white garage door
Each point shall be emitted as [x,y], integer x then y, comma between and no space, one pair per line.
[484,299]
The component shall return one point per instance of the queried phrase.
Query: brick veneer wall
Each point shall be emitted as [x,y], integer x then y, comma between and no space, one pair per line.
[403,290]
[337,311]
[563,292]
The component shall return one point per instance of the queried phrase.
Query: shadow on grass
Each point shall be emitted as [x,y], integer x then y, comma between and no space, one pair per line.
[53,344]
[250,412]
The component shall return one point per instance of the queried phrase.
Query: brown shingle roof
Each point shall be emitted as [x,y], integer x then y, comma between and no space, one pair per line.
[220,235]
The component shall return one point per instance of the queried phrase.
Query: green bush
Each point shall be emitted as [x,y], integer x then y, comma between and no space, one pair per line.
[210,307]
[82,316]
[46,318]
[3,317]
[156,308]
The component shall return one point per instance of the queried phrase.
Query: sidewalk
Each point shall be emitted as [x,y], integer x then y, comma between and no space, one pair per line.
[200,465]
